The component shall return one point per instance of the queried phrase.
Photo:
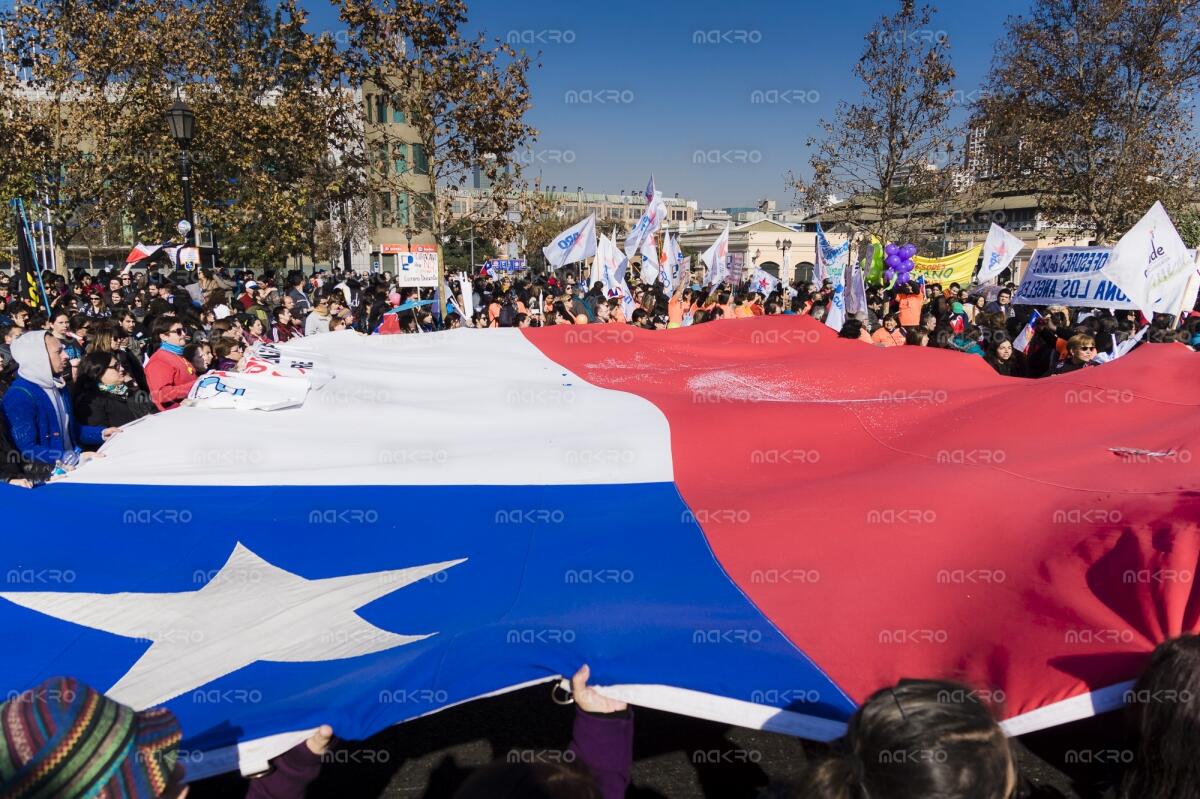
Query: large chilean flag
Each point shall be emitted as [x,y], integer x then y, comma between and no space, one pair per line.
[751,521]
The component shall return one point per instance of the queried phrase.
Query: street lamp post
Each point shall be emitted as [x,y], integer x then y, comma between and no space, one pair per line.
[784,245]
[182,123]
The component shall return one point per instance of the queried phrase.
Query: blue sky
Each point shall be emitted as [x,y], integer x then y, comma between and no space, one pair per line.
[656,97]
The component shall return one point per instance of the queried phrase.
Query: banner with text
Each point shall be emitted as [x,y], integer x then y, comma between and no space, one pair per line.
[1072,276]
[957,267]
[415,267]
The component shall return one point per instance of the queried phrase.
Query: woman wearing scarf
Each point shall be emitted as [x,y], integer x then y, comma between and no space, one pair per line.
[41,419]
[168,373]
[106,396]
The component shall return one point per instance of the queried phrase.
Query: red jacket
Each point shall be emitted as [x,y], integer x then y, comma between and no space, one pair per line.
[170,378]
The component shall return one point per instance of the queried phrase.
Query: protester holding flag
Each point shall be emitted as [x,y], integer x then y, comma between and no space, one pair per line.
[1006,360]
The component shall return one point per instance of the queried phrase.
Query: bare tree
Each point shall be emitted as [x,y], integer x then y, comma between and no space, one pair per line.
[1089,104]
[886,157]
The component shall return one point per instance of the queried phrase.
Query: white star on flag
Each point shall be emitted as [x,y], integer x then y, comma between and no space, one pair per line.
[249,611]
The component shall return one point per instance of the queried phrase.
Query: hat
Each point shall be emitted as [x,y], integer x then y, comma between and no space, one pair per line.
[250,284]
[394,298]
[64,738]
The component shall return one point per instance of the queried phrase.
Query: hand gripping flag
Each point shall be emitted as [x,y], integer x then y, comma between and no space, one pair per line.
[261,573]
[577,243]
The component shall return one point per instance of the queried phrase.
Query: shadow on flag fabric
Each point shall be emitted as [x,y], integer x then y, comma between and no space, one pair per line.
[261,573]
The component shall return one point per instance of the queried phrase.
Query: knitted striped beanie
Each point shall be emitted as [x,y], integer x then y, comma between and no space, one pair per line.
[65,740]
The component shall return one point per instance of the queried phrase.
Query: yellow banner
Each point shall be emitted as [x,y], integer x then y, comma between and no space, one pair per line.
[957,267]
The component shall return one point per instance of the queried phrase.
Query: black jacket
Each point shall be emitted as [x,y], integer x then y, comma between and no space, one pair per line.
[95,407]
[15,467]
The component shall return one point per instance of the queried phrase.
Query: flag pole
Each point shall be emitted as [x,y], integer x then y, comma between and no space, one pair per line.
[29,242]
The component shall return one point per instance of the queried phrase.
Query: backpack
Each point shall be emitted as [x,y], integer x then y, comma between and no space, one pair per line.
[508,313]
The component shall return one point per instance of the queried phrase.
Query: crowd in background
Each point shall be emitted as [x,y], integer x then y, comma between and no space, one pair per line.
[120,345]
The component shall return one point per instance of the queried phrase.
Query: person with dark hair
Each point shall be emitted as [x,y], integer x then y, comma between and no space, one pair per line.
[919,739]
[104,395]
[917,337]
[282,329]
[1006,360]
[169,375]
[199,354]
[1164,711]
[889,334]
[853,328]
[227,354]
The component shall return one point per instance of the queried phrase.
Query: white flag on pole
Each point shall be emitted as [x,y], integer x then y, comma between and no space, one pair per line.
[998,251]
[574,244]
[716,258]
[671,261]
[651,220]
[856,291]
[649,269]
[1025,338]
[1152,265]
[763,282]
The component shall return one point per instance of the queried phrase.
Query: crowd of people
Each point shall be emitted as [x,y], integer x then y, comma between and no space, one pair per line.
[108,349]
[118,346]
[917,739]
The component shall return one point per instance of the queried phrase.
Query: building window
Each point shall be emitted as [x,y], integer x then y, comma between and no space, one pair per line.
[380,109]
[420,160]
[402,210]
[369,99]
[384,206]
[423,212]
[381,158]
[397,115]
[400,156]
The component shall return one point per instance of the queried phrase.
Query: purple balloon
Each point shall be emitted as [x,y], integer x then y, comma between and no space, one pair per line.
[890,249]
[893,261]
[889,275]
[908,251]
[907,264]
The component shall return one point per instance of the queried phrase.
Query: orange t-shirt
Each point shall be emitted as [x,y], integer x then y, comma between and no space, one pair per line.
[910,309]
[675,311]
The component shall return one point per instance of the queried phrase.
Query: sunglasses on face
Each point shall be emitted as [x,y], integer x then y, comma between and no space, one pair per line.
[116,367]
[178,331]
